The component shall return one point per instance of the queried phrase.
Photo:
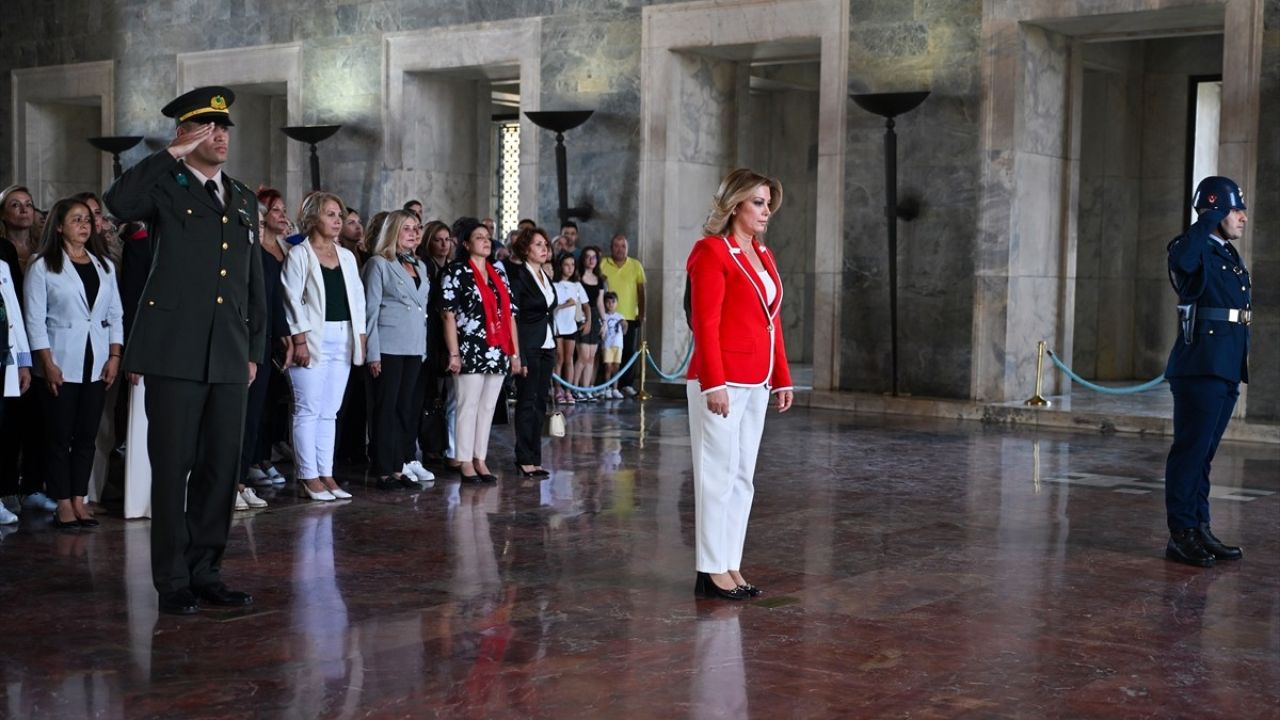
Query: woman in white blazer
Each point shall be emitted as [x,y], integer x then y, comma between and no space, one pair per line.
[324,307]
[395,293]
[15,354]
[75,324]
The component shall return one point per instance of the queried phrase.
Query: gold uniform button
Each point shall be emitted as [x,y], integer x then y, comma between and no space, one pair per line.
[222,272]
[1224,267]
[224,219]
[1210,332]
[225,246]
[1243,288]
[219,299]
[151,303]
[188,211]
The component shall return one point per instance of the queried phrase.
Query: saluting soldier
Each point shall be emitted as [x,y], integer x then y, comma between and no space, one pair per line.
[200,322]
[1207,364]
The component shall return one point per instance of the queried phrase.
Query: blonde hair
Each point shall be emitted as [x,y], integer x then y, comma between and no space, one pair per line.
[312,206]
[389,237]
[4,197]
[736,188]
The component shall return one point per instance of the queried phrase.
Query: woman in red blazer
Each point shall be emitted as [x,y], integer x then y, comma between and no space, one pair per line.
[739,359]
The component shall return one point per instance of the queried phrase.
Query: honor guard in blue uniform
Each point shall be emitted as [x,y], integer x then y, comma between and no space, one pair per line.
[1207,364]
[201,322]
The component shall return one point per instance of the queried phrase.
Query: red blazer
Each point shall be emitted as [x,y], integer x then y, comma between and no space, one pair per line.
[737,337]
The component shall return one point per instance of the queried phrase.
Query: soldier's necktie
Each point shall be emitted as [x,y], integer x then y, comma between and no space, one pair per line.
[214,193]
[1232,250]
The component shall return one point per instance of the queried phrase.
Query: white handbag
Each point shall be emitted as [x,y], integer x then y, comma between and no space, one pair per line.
[555,424]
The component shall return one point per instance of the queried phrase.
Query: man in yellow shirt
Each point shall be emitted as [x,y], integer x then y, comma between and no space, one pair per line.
[625,276]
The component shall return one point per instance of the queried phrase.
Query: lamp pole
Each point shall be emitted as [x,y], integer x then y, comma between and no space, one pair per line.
[889,106]
[560,122]
[312,135]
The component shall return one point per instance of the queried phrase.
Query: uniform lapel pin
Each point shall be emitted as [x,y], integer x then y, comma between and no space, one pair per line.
[182,180]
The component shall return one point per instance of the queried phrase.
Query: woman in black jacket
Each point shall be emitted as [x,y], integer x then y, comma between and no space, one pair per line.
[535,296]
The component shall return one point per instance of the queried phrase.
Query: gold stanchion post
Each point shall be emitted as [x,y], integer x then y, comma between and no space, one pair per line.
[1038,400]
[644,354]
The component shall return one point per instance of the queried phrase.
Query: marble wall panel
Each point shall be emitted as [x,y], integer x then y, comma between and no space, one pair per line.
[1045,79]
[963,151]
[591,60]
[1263,398]
[55,148]
[913,46]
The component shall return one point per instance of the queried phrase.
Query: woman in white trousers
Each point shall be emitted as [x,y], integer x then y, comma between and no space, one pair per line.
[739,359]
[325,309]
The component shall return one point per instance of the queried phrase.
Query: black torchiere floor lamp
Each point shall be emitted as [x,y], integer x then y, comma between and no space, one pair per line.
[889,106]
[560,122]
[116,145]
[312,135]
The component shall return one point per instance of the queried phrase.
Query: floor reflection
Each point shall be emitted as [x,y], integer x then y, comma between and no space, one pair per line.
[319,619]
[911,568]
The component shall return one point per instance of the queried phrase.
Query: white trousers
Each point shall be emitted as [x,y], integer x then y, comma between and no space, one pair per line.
[724,466]
[477,397]
[317,397]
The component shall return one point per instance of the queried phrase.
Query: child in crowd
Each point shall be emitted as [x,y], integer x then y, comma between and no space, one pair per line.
[614,328]
[571,319]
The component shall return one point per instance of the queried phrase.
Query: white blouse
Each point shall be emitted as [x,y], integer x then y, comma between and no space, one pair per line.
[770,290]
[544,284]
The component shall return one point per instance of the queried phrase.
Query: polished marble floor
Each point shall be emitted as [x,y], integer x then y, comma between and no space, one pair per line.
[921,569]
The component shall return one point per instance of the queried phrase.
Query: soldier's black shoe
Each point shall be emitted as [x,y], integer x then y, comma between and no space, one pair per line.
[1216,547]
[1184,547]
[219,594]
[179,602]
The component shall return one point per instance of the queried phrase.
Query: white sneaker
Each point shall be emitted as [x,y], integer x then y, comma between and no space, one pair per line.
[614,394]
[6,517]
[240,502]
[251,499]
[276,477]
[415,469]
[39,501]
[628,391]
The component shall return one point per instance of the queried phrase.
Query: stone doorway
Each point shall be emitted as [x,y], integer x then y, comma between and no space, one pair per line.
[1034,75]
[439,113]
[267,81]
[55,110]
[1137,127]
[729,84]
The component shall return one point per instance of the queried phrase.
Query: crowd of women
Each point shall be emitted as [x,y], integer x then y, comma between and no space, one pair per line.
[438,327]
[417,332]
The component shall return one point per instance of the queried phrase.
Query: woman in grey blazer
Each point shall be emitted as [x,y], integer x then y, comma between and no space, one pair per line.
[75,326]
[395,290]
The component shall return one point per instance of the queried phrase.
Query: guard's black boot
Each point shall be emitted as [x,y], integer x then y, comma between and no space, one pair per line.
[1184,547]
[1216,548]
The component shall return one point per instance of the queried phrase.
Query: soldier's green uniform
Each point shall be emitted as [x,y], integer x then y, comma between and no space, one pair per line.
[201,319]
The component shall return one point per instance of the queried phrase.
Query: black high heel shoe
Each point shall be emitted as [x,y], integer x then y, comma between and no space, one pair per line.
[750,589]
[539,473]
[707,588]
[468,478]
[72,524]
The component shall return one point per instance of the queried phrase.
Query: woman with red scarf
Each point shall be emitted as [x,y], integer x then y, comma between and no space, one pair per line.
[480,334]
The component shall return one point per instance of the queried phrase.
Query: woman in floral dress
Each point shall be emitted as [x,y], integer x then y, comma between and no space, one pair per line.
[480,334]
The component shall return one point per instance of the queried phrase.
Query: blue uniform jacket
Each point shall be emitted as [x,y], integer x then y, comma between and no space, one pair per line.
[1206,274]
